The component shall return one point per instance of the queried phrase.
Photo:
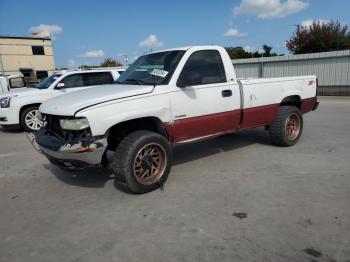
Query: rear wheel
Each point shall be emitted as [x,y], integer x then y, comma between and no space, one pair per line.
[29,119]
[287,127]
[142,161]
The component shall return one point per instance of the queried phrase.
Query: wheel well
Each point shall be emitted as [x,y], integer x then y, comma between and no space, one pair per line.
[291,101]
[117,132]
[25,107]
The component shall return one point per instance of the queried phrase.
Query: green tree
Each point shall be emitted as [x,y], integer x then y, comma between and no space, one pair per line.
[238,52]
[110,62]
[319,37]
[82,66]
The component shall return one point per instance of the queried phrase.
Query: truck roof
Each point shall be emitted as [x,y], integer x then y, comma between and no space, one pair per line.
[185,48]
[71,71]
[11,76]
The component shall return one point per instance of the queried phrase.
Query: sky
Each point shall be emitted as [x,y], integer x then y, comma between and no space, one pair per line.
[86,32]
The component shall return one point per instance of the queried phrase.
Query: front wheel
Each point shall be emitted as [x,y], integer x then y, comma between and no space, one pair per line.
[29,119]
[142,161]
[287,127]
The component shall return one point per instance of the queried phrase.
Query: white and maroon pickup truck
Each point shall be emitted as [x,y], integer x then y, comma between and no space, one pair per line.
[167,98]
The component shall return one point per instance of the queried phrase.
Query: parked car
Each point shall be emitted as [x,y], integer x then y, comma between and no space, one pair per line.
[21,106]
[163,99]
[12,82]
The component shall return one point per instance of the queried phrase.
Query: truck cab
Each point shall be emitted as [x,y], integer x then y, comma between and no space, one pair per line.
[12,82]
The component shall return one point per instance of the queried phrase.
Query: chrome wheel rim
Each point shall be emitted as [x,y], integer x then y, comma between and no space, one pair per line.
[292,126]
[150,163]
[32,121]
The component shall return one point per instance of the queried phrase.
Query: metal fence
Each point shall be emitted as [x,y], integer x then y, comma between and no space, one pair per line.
[331,68]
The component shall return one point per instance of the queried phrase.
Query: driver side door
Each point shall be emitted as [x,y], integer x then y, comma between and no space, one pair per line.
[74,82]
[205,103]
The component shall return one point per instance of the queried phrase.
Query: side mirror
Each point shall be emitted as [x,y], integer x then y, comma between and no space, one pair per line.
[189,79]
[59,86]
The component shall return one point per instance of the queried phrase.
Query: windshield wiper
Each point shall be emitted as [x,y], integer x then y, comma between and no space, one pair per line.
[140,82]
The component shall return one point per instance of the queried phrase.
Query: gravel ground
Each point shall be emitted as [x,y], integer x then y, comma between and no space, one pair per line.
[234,198]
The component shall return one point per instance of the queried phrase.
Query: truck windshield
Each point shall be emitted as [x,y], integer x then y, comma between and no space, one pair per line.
[152,69]
[47,81]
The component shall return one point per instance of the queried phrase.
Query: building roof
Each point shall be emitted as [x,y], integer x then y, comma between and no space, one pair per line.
[27,37]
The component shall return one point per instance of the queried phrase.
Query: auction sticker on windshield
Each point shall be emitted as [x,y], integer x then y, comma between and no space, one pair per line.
[159,72]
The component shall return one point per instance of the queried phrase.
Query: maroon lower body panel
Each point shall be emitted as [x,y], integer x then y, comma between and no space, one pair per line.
[215,124]
[308,104]
[259,116]
[201,126]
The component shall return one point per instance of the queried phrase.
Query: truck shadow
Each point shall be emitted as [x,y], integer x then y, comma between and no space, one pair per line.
[97,178]
[193,151]
[11,129]
[91,178]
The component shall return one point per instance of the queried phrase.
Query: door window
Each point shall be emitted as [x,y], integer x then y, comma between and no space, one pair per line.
[38,50]
[202,67]
[100,78]
[72,81]
[17,82]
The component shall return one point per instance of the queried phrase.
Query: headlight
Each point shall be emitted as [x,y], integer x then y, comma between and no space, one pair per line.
[74,124]
[5,102]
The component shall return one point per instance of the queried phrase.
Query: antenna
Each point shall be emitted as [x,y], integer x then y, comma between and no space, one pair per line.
[126,59]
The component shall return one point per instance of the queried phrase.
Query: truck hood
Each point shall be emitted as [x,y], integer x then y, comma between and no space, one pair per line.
[19,90]
[24,91]
[69,104]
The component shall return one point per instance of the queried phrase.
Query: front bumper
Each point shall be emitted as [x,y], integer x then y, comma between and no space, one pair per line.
[80,154]
[9,116]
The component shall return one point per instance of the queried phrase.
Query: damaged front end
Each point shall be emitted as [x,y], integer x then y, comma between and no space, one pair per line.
[68,142]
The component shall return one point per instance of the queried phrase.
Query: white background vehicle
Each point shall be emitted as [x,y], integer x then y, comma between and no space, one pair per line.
[21,106]
[167,98]
[11,83]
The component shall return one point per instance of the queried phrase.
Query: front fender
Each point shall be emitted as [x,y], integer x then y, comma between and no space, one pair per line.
[102,118]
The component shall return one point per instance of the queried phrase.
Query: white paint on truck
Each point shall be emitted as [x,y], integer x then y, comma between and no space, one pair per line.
[198,97]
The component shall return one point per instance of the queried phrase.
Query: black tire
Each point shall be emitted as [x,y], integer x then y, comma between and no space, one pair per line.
[11,128]
[25,113]
[6,127]
[127,160]
[280,132]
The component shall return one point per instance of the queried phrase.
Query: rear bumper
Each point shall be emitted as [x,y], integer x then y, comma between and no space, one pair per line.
[79,154]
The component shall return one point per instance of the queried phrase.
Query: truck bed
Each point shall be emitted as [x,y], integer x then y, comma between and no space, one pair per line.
[261,97]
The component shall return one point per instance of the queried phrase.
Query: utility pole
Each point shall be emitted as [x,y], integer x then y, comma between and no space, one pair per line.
[126,59]
[2,65]
[262,66]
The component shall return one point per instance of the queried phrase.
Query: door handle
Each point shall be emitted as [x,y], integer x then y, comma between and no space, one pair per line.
[226,93]
[252,97]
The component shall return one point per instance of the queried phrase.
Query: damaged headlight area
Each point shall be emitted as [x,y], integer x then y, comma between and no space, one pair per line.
[74,124]
[69,130]
[72,134]
[5,102]
[68,142]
